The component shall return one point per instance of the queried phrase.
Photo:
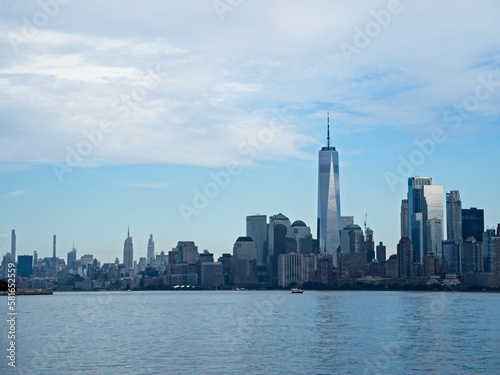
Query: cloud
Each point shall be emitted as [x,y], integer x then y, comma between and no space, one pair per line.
[14,194]
[182,87]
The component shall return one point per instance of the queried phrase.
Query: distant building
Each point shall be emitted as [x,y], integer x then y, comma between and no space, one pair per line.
[405,259]
[227,261]
[329,213]
[473,223]
[404,218]
[369,245]
[71,263]
[454,217]
[276,244]
[24,265]
[296,268]
[188,252]
[352,239]
[212,274]
[13,245]
[381,253]
[257,231]
[450,258]
[128,253]
[151,250]
[244,267]
[430,265]
[391,267]
[472,257]
[301,234]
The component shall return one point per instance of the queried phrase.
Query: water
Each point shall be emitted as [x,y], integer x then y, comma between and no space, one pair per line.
[250,332]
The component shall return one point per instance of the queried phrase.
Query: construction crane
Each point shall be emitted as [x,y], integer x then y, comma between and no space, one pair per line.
[366,215]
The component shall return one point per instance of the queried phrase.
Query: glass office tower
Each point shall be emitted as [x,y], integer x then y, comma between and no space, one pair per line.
[329,216]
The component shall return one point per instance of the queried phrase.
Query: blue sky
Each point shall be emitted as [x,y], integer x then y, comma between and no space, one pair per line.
[108,121]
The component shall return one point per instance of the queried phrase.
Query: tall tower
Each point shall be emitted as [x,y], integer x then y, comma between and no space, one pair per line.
[454,216]
[13,246]
[128,253]
[417,225]
[54,247]
[329,217]
[257,230]
[404,218]
[151,249]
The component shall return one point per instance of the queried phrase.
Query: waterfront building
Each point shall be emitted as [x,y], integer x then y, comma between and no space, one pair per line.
[329,213]
[473,223]
[257,231]
[128,253]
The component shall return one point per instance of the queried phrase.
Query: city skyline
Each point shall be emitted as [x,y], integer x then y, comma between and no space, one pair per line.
[227,123]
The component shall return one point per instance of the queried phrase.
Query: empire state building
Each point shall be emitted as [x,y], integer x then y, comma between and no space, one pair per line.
[329,218]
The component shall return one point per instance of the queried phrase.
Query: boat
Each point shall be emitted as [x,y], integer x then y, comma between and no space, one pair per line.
[297,290]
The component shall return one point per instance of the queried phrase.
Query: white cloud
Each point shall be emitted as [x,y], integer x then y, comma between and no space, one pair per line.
[198,88]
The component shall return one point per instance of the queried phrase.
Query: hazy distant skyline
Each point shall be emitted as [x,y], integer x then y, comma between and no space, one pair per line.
[171,92]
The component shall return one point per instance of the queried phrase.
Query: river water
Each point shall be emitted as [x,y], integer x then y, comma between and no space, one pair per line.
[255,332]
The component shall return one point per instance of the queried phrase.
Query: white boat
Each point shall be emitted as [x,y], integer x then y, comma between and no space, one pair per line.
[297,290]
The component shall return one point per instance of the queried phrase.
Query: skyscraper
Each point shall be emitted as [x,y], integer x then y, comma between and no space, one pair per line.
[425,216]
[473,223]
[151,250]
[54,247]
[128,253]
[13,245]
[416,218]
[404,218]
[454,216]
[257,230]
[329,216]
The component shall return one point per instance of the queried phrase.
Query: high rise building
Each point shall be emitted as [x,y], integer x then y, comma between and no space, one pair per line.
[472,259]
[381,252]
[128,253]
[416,214]
[188,252]
[24,265]
[488,240]
[434,215]
[274,244]
[329,214]
[405,259]
[54,247]
[257,230]
[13,245]
[473,223]
[151,250]
[301,234]
[450,257]
[404,218]
[244,265]
[72,258]
[352,239]
[454,216]
[425,216]
[369,245]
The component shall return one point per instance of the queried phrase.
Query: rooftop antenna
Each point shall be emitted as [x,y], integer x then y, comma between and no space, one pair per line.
[328,128]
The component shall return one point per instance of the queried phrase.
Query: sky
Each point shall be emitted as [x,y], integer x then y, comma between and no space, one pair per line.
[180,118]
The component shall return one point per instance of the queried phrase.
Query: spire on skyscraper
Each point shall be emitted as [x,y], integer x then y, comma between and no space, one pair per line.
[328,129]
